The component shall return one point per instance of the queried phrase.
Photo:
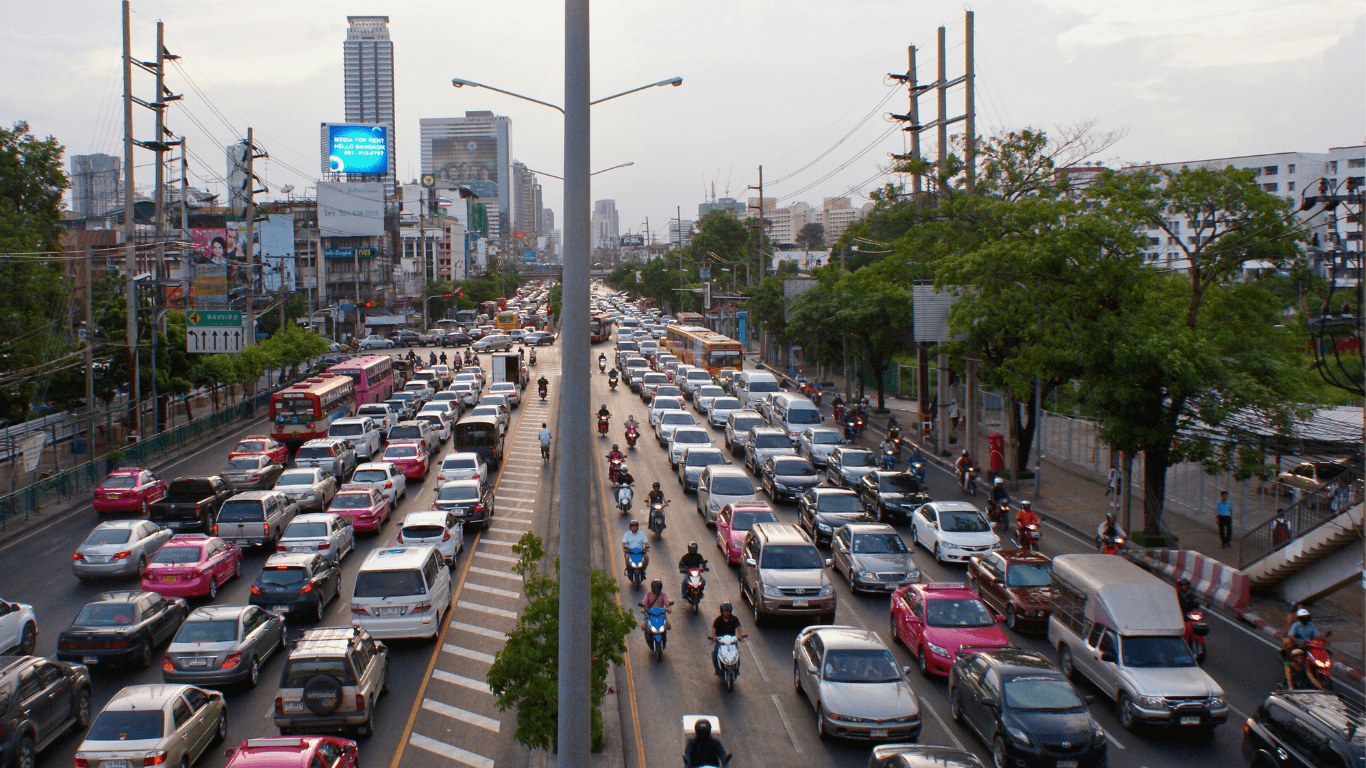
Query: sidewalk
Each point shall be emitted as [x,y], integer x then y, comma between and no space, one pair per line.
[1076,501]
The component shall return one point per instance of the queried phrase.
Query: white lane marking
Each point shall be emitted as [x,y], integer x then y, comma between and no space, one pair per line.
[757,664]
[476,630]
[513,521]
[492,572]
[521,474]
[456,650]
[493,590]
[515,494]
[465,716]
[942,724]
[791,734]
[464,757]
[491,556]
[1236,711]
[505,517]
[461,680]
[506,483]
[1259,636]
[499,543]
[487,609]
[1112,739]
[857,618]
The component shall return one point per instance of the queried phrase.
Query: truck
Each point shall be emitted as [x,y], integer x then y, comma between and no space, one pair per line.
[506,366]
[190,504]
[1122,628]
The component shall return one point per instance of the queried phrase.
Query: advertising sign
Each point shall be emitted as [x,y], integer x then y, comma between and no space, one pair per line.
[351,208]
[348,253]
[356,148]
[209,254]
[273,264]
[470,161]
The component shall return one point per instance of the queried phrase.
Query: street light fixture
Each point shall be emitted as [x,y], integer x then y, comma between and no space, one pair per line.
[594,173]
[461,83]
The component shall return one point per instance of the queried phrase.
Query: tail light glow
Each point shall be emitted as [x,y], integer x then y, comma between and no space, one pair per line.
[231,660]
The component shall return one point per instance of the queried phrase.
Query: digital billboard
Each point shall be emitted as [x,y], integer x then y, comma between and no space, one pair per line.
[355,148]
[468,161]
[351,208]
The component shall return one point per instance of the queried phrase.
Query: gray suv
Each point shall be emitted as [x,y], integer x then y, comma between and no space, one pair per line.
[782,574]
[334,454]
[333,678]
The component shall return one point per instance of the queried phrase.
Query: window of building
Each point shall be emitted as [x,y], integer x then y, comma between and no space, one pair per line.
[1290,185]
[1356,162]
[1271,170]
[1272,187]
[1290,168]
[1332,166]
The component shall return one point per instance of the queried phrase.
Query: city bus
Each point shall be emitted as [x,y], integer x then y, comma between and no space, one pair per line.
[691,318]
[695,345]
[371,375]
[305,410]
[466,317]
[507,320]
[599,327]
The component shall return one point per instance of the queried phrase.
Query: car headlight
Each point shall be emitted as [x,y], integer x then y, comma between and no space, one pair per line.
[866,575]
[1018,735]
[822,527]
[1216,702]
[1096,731]
[1152,702]
[913,574]
[714,505]
[827,590]
[937,650]
[772,591]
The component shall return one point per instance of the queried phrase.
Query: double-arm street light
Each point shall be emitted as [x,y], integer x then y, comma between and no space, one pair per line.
[461,83]
[594,173]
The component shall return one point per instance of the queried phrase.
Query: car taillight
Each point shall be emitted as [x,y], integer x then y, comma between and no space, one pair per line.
[196,509]
[325,545]
[167,664]
[358,610]
[390,483]
[119,644]
[154,758]
[306,588]
[231,660]
[445,535]
[124,555]
[279,705]
[475,477]
[265,528]
[280,548]
[77,556]
[193,574]
[422,607]
[477,508]
[255,590]
[360,702]
[79,762]
[215,529]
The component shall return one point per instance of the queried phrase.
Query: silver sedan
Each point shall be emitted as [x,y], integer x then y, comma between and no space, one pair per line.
[855,685]
[146,720]
[309,487]
[222,645]
[816,443]
[325,533]
[118,548]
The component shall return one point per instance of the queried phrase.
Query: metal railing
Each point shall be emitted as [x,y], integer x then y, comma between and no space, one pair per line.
[1314,510]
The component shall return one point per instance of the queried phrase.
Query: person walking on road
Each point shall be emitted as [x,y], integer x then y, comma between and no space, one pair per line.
[1223,512]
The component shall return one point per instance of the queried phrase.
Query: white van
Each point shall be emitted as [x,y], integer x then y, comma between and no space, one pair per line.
[402,592]
[751,386]
[794,414]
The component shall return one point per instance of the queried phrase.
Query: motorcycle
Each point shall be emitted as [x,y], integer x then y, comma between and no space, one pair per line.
[693,585]
[917,469]
[1321,658]
[602,363]
[859,423]
[656,523]
[542,390]
[545,454]
[728,656]
[839,413]
[635,566]
[889,459]
[1112,545]
[625,493]
[612,381]
[632,435]
[656,631]
[613,468]
[1027,537]
[689,724]
[532,357]
[603,423]
[1196,629]
[967,480]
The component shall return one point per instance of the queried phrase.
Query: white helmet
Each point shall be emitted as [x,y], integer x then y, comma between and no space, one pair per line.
[1000,481]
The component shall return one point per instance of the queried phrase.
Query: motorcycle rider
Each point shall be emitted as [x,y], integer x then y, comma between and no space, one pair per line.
[1302,630]
[632,424]
[655,494]
[724,624]
[704,750]
[636,539]
[431,358]
[624,475]
[961,467]
[542,383]
[1024,518]
[838,405]
[656,598]
[1186,597]
[602,360]
[443,357]
[616,455]
[885,447]
[1000,497]
[1299,675]
[603,413]
[692,559]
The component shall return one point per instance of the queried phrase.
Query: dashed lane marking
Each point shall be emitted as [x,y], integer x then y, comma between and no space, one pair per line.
[487,609]
[791,734]
[494,591]
[500,558]
[491,572]
[468,653]
[509,530]
[463,715]
[464,757]
[461,680]
[500,543]
[476,630]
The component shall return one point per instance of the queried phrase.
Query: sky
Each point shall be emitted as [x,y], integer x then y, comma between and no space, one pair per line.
[797,87]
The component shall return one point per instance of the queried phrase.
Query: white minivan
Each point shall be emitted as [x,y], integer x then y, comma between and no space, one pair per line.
[402,592]
[793,414]
[751,386]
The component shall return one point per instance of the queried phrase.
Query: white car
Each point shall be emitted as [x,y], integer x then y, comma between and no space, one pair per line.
[492,411]
[363,433]
[468,378]
[440,419]
[467,391]
[323,533]
[955,531]
[18,628]
[670,421]
[704,395]
[382,476]
[443,373]
[381,413]
[376,342]
[816,443]
[692,380]
[436,528]
[684,438]
[662,404]
[500,400]
[719,409]
[508,390]
[461,466]
[447,395]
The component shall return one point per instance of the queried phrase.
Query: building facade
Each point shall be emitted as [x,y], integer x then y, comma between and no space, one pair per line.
[785,223]
[474,152]
[726,204]
[368,64]
[606,225]
[96,184]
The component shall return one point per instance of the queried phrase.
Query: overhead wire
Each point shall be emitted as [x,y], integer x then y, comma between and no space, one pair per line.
[862,121]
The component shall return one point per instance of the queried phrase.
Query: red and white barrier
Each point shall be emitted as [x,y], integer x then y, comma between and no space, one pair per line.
[1220,584]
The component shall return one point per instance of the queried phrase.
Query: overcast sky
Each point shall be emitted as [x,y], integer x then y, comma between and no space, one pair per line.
[777,84]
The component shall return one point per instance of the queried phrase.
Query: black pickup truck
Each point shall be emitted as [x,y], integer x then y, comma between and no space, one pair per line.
[190,504]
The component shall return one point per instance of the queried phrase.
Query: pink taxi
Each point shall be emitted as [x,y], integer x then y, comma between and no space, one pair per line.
[410,456]
[192,565]
[937,621]
[366,507]
[128,490]
[734,521]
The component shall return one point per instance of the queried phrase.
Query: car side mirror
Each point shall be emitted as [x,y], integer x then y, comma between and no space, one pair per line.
[1089,699]
[811,669]
[829,562]
[1108,656]
[986,701]
[751,562]
[229,752]
[999,617]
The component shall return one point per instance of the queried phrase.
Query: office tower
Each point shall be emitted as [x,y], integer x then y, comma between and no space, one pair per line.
[96,184]
[606,225]
[368,57]
[474,152]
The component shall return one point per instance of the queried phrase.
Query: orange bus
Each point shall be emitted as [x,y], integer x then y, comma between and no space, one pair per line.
[305,410]
[701,347]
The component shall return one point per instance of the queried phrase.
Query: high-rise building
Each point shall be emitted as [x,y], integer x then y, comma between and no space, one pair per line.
[526,205]
[96,184]
[369,66]
[784,224]
[680,233]
[474,152]
[727,204]
[606,225]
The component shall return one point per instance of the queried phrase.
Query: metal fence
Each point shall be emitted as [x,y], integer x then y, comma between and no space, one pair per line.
[1312,511]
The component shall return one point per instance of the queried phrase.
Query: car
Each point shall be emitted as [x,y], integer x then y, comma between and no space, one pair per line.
[128,490]
[734,521]
[721,485]
[891,495]
[763,443]
[335,455]
[661,405]
[344,670]
[704,395]
[1314,475]
[540,339]
[411,455]
[507,389]
[500,400]
[309,487]
[42,701]
[121,628]
[324,533]
[671,421]
[921,756]
[633,366]
[223,645]
[456,339]
[297,584]
[692,379]
[383,476]
[854,683]
[405,338]
[816,444]
[192,565]
[402,405]
[787,477]
[295,752]
[382,414]
[464,465]
[469,500]
[646,382]
[694,460]
[420,389]
[18,628]
[937,620]
[848,464]
[1308,727]
[821,511]
[455,399]
[254,444]
[494,342]
[402,591]
[467,391]
[173,725]
[720,408]
[363,433]
[414,430]
[118,548]
[375,342]
[254,518]
[190,503]
[955,531]
[366,508]
[255,472]
[436,527]
[872,557]
[1025,710]
[440,418]
[782,574]
[1015,583]
[495,412]
[668,390]
[738,424]
[684,438]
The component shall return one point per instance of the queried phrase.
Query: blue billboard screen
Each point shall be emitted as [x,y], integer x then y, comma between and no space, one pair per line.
[358,149]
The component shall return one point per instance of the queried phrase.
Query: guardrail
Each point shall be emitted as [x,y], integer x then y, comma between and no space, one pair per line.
[1310,512]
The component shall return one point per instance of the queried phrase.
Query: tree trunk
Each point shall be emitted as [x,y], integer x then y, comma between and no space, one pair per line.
[1024,430]
[1012,424]
[1155,461]
[189,408]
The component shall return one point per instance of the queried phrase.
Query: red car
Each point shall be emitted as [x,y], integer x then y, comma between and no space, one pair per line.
[255,444]
[128,490]
[192,565]
[295,752]
[938,620]
[1015,582]
[734,521]
[366,507]
[411,456]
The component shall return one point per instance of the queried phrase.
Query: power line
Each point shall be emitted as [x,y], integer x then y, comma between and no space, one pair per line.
[876,108]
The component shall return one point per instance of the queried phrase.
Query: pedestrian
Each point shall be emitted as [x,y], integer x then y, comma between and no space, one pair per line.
[955,416]
[1280,529]
[1112,488]
[1223,512]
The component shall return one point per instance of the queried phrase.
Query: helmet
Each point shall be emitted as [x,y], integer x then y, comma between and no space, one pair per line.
[1302,613]
[624,469]
[656,586]
[1025,504]
[635,523]
[1184,583]
[727,608]
[604,405]
[692,547]
[656,484]
[702,729]
[632,417]
[614,446]
[1000,481]
[965,451]
[1110,515]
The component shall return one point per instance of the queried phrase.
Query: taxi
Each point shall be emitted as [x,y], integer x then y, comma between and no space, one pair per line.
[294,752]
[128,490]
[410,456]
[939,620]
[192,565]
[367,508]
[734,521]
[256,444]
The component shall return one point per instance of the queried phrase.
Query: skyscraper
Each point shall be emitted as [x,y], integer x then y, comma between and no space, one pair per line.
[235,156]
[474,152]
[368,57]
[96,185]
[526,200]
[606,225]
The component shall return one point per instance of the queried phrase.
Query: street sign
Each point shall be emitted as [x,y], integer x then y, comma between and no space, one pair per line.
[704,273]
[200,318]
[347,307]
[213,331]
[706,295]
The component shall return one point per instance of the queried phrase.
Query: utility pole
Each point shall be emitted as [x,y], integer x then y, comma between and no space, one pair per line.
[130,262]
[969,101]
[159,145]
[90,350]
[249,191]
[678,243]
[941,88]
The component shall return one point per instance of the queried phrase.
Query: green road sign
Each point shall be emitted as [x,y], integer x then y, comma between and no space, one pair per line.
[216,318]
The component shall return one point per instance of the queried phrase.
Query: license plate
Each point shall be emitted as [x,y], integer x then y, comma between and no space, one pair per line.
[1190,720]
[294,706]
[116,763]
[168,578]
[1067,764]
[881,733]
[196,662]
[279,609]
[241,542]
[300,549]
[388,611]
[90,660]
[800,603]
[113,496]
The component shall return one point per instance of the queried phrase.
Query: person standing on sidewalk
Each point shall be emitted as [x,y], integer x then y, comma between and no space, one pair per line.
[1223,513]
[1112,488]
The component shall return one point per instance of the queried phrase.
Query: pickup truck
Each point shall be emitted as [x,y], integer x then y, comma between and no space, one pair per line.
[255,518]
[190,504]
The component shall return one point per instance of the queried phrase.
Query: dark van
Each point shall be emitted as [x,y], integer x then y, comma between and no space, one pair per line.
[481,435]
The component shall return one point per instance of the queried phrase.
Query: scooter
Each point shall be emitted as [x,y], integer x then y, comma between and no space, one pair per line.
[693,585]
[967,480]
[1196,629]
[1112,545]
[1321,657]
[632,435]
[689,725]
[889,459]
[602,363]
[1027,537]
[728,656]
[625,493]
[531,358]
[839,413]
[603,423]
[635,566]
[917,469]
[613,469]
[656,631]
[656,524]
[612,381]
[542,390]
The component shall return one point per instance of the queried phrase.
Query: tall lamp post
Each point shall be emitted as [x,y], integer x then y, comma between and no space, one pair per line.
[574,724]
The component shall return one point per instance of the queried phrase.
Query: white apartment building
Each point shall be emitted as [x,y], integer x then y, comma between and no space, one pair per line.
[474,152]
[680,233]
[606,225]
[835,214]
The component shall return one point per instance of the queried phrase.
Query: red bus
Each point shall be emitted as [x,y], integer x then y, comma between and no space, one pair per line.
[599,327]
[305,411]
[372,376]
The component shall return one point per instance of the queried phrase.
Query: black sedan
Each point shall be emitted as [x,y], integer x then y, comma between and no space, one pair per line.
[822,511]
[787,477]
[469,500]
[1024,709]
[121,628]
[456,339]
[297,584]
[892,496]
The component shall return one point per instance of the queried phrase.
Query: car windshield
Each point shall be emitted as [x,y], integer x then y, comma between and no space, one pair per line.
[458,493]
[1041,693]
[351,501]
[901,483]
[177,555]
[295,478]
[654,378]
[400,452]
[667,390]
[485,410]
[705,459]
[373,410]
[794,467]
[459,464]
[106,615]
[858,459]
[741,426]
[314,452]
[963,522]
[766,440]
[243,465]
[422,532]
[958,612]
[676,418]
[409,432]
[763,386]
[710,390]
[126,726]
[803,416]
[879,544]
[725,404]
[389,584]
[282,575]
[306,530]
[346,430]
[690,437]
[191,488]
[732,486]
[299,671]
[241,512]
[860,666]
[791,557]
[250,446]
[826,438]
[369,476]
[1029,575]
[839,504]
[743,521]
[102,536]
[219,631]
[1157,652]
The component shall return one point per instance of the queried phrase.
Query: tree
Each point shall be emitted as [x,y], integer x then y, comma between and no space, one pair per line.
[811,236]
[767,307]
[524,674]
[556,297]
